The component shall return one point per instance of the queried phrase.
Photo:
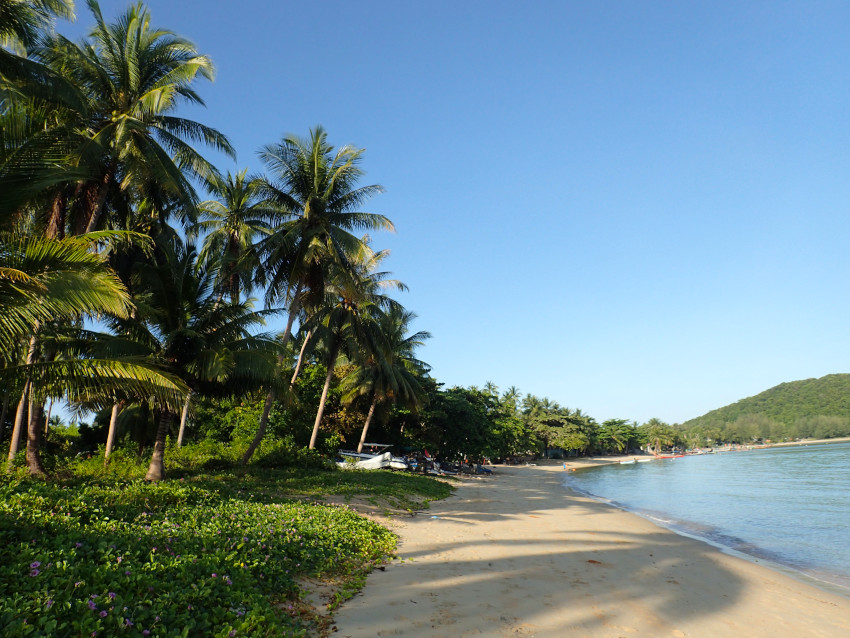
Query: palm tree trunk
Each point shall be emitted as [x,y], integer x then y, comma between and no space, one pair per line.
[23,405]
[15,444]
[156,470]
[47,417]
[261,428]
[366,424]
[183,419]
[300,361]
[323,400]
[110,438]
[3,412]
[34,465]
[96,201]
[56,222]
[270,397]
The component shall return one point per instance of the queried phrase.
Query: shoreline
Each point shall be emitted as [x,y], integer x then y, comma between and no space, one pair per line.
[517,554]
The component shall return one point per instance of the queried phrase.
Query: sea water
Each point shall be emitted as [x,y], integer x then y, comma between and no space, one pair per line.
[789,505]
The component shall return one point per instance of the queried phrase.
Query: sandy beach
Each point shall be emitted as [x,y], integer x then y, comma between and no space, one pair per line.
[517,554]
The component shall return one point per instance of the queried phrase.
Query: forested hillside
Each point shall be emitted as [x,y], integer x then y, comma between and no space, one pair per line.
[797,409]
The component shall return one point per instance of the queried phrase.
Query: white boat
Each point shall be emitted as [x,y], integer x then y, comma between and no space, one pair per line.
[376,460]
[628,462]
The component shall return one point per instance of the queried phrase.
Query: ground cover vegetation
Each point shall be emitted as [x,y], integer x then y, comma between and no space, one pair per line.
[219,554]
[138,286]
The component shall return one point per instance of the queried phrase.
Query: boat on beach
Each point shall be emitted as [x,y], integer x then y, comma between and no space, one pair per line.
[379,458]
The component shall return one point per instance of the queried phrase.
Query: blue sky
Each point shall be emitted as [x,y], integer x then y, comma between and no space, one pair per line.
[639,209]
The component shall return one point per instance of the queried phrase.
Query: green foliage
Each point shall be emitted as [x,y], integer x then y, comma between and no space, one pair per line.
[798,409]
[658,435]
[457,423]
[208,557]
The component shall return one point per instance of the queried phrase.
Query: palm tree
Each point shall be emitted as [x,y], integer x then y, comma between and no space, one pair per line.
[232,224]
[23,22]
[317,187]
[511,398]
[393,375]
[350,320]
[182,325]
[133,78]
[658,434]
[44,280]
[616,433]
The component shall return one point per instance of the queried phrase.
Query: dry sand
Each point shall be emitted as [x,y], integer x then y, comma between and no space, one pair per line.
[517,554]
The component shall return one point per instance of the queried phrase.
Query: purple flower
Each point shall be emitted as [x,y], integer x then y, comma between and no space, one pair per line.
[103,614]
[127,572]
[214,575]
[50,603]
[232,633]
[92,605]
[146,632]
[112,594]
[34,573]
[35,564]
[78,545]
[119,559]
[128,622]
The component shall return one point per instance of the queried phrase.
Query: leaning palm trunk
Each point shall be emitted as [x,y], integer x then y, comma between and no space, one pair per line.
[183,418]
[270,397]
[366,424]
[323,400]
[300,361]
[156,470]
[110,438]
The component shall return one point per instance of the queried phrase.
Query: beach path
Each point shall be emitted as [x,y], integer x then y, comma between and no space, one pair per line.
[517,554]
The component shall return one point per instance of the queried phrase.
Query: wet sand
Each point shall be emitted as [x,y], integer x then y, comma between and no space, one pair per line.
[517,554]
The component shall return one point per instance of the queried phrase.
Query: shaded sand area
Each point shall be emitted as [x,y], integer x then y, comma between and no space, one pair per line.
[517,554]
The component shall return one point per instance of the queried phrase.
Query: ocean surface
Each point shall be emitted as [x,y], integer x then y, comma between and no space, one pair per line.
[788,505]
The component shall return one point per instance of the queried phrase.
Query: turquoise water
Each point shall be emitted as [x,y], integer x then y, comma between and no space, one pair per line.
[788,505]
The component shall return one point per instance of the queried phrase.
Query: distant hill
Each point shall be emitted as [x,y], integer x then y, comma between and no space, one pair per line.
[786,403]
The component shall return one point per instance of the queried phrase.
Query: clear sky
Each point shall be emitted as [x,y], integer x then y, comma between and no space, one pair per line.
[639,209]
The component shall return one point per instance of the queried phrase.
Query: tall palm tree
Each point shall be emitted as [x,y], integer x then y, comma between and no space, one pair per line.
[133,77]
[231,226]
[393,375]
[317,186]
[349,323]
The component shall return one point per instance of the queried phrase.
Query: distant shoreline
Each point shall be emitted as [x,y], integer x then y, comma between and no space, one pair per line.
[843,439]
